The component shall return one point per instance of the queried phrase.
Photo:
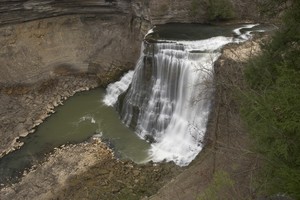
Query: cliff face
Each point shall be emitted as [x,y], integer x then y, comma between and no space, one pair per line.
[99,36]
[24,10]
[87,35]
[87,43]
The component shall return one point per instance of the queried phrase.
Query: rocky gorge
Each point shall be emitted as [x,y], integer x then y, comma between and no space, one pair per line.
[53,49]
[34,55]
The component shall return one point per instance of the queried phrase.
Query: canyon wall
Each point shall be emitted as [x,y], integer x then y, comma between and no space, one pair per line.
[99,36]
[79,43]
[50,49]
[41,38]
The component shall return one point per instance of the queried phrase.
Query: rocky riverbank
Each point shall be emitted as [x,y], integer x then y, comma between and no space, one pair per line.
[89,171]
[44,180]
[24,107]
[86,170]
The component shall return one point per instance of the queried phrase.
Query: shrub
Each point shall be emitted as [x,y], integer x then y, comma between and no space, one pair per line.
[220,10]
[216,9]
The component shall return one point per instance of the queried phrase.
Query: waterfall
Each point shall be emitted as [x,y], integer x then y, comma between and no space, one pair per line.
[114,90]
[168,101]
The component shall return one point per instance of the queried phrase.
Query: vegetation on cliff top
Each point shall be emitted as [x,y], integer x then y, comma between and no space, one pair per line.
[216,9]
[272,106]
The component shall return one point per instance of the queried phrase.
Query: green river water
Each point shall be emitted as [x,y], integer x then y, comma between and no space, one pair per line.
[81,117]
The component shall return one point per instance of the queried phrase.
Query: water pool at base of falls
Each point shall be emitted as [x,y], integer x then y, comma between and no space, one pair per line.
[81,117]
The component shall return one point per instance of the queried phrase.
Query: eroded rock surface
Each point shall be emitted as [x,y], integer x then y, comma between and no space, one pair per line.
[89,171]
[25,10]
[86,43]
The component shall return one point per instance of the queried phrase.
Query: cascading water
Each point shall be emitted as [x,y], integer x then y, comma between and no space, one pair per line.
[168,102]
[114,90]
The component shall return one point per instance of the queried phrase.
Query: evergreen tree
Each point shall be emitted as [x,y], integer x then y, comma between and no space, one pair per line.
[272,106]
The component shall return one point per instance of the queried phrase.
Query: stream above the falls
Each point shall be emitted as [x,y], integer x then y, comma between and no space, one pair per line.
[85,115]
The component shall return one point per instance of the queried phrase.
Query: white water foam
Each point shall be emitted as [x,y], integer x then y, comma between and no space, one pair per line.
[149,32]
[242,37]
[87,118]
[114,90]
[181,122]
[210,44]
[173,95]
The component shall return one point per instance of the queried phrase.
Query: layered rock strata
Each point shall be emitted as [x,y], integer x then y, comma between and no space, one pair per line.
[25,10]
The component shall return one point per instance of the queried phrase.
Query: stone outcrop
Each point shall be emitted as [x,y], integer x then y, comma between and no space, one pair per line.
[80,43]
[43,182]
[89,171]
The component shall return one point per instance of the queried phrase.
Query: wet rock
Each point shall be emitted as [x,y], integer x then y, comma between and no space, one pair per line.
[23,133]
